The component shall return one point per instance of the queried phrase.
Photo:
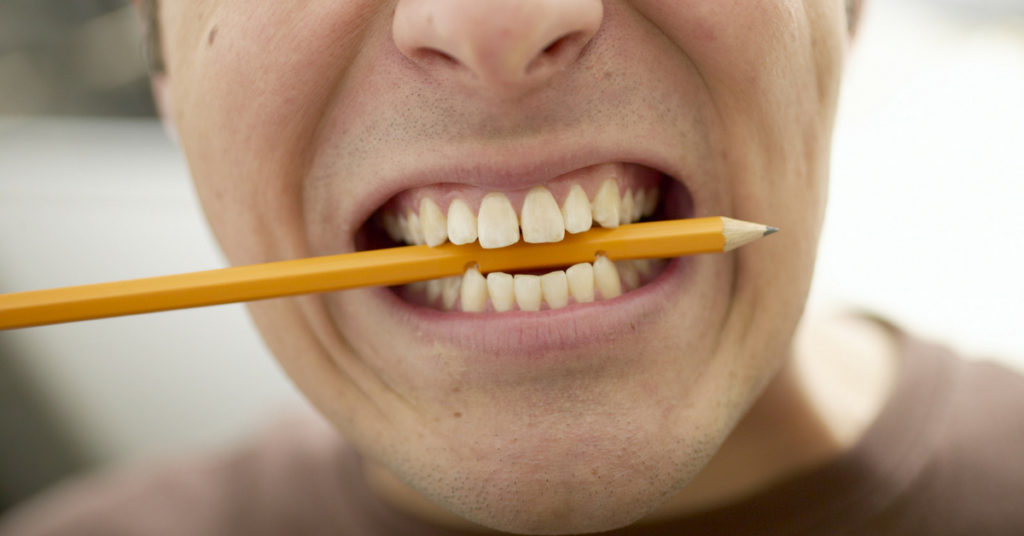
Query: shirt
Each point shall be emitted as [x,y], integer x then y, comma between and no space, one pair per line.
[945,456]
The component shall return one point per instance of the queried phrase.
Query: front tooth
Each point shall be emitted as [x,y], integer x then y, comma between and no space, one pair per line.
[434,288]
[581,282]
[418,287]
[626,207]
[415,229]
[528,292]
[500,287]
[628,273]
[497,225]
[555,287]
[541,219]
[639,201]
[644,267]
[450,291]
[606,204]
[606,278]
[461,223]
[474,291]
[402,226]
[576,211]
[435,225]
[650,202]
[393,227]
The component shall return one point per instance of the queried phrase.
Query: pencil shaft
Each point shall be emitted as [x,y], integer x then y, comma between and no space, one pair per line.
[660,239]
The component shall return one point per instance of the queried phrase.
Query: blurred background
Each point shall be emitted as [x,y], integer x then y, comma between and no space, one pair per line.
[72,58]
[926,196]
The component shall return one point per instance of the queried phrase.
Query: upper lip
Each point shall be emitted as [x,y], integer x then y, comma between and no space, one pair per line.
[515,166]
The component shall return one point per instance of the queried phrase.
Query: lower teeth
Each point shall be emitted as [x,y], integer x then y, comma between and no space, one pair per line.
[501,292]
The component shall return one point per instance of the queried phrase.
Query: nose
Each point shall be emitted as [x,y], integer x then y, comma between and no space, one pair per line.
[507,46]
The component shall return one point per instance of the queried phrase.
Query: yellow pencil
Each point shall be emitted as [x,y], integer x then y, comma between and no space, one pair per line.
[394,266]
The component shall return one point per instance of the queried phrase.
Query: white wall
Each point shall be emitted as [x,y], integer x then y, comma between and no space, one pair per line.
[927,200]
[90,201]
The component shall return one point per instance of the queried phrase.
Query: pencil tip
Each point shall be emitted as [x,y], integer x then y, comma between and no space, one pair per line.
[771,230]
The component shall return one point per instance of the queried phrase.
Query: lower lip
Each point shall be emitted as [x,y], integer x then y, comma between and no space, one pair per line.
[532,336]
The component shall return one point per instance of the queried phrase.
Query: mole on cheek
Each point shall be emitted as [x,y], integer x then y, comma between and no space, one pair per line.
[212,36]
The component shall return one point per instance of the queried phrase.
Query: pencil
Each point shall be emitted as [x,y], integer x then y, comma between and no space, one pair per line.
[393,266]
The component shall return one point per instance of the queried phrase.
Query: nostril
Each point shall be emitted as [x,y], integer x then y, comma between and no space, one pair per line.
[557,51]
[443,55]
[433,55]
[558,44]
[497,42]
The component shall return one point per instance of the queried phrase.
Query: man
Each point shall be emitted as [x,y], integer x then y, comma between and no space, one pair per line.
[664,397]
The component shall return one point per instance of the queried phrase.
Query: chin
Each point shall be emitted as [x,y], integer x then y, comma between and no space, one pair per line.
[563,476]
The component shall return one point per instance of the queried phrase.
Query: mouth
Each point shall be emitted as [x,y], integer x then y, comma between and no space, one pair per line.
[604,195]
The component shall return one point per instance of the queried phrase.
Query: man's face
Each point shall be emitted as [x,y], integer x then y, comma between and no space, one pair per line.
[306,124]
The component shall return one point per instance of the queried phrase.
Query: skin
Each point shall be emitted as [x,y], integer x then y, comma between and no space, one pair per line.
[293,118]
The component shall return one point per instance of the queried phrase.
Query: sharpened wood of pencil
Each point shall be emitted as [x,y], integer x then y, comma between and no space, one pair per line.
[393,266]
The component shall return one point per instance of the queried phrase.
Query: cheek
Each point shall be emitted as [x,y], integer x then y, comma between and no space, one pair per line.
[772,70]
[251,84]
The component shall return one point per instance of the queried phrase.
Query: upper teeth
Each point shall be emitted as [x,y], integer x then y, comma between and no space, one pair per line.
[435,225]
[540,219]
[607,204]
[496,224]
[461,223]
[576,212]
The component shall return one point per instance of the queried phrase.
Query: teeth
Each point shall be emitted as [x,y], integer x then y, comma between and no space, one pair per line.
[434,287]
[606,204]
[500,287]
[576,211]
[497,225]
[650,202]
[474,291]
[402,227]
[450,291]
[606,278]
[639,199]
[433,223]
[461,223]
[581,282]
[528,292]
[419,287]
[393,226]
[555,287]
[628,274]
[644,267]
[541,219]
[626,207]
[414,231]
